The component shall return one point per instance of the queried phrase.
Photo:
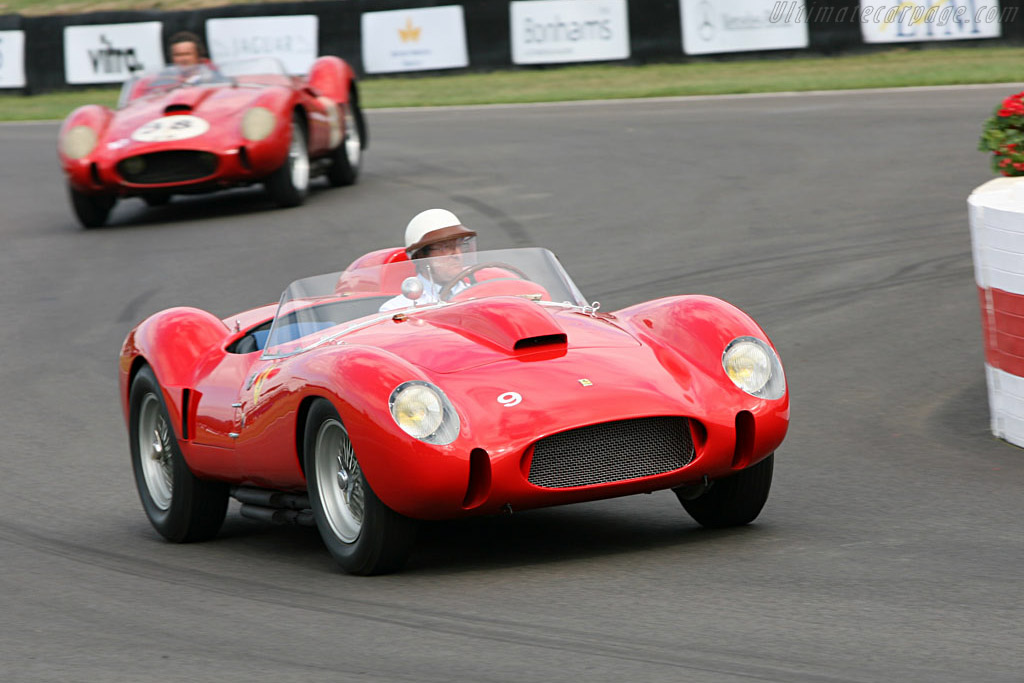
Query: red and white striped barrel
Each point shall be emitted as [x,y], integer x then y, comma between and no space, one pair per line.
[997,242]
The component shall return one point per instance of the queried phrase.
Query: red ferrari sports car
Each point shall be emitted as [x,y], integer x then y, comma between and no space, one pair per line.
[203,128]
[504,391]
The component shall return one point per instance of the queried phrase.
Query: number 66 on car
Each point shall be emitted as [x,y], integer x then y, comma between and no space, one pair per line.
[508,394]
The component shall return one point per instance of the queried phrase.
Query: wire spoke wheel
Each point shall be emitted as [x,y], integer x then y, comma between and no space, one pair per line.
[155,451]
[340,481]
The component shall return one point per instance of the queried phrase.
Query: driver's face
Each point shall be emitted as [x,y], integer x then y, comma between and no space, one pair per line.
[185,54]
[447,257]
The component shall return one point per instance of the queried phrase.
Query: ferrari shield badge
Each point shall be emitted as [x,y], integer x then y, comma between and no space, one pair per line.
[585,382]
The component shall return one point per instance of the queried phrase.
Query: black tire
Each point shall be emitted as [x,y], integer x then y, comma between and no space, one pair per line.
[362,534]
[735,500]
[180,506]
[91,210]
[288,185]
[347,157]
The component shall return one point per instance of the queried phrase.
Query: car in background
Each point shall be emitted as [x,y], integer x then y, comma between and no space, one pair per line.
[509,392]
[203,128]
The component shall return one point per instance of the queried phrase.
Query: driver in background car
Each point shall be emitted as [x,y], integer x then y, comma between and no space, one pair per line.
[187,49]
[439,235]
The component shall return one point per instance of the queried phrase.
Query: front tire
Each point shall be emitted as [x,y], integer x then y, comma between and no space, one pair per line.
[733,501]
[91,210]
[363,535]
[289,184]
[181,507]
[348,156]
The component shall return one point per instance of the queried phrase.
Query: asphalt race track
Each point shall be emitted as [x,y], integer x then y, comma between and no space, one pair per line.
[890,549]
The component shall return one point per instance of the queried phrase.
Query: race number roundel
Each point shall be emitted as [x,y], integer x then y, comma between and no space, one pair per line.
[171,129]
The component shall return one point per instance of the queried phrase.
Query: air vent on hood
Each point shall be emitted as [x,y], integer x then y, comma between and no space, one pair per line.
[542,340]
[177,108]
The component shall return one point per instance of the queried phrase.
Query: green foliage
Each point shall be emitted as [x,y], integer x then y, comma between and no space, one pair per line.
[1003,136]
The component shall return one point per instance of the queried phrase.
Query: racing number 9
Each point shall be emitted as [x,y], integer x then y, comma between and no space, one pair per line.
[509,399]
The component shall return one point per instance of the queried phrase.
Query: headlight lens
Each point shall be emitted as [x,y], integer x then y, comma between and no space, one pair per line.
[424,412]
[258,123]
[753,366]
[78,142]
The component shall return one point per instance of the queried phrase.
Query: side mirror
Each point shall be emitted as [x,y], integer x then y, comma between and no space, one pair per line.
[412,288]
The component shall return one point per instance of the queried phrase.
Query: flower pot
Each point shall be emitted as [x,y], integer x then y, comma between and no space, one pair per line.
[997,243]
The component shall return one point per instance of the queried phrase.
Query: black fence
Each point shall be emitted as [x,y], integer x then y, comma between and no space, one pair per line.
[654,27]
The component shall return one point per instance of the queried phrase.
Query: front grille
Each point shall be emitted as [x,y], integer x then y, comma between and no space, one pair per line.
[612,451]
[175,166]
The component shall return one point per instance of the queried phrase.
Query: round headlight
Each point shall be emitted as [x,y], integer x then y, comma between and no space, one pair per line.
[78,142]
[258,123]
[423,412]
[753,366]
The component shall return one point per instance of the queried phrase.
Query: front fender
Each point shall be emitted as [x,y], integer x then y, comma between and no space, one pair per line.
[93,116]
[689,334]
[172,342]
[359,380]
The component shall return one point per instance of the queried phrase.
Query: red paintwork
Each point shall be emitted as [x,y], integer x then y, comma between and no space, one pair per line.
[657,358]
[222,106]
[1002,324]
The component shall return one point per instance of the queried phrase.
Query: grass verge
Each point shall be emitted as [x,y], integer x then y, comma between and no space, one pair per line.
[899,67]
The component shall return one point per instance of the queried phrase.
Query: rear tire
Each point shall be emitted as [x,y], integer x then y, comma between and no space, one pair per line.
[91,210]
[288,185]
[348,156]
[362,534]
[181,507]
[735,500]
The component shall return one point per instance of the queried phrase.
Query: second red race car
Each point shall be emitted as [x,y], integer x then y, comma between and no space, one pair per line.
[202,128]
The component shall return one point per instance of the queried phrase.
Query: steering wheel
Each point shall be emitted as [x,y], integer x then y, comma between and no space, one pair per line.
[469,271]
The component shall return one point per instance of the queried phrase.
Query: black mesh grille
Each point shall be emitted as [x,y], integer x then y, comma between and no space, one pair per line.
[612,451]
[175,166]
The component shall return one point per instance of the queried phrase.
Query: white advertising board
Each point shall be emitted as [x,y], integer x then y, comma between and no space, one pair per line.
[923,20]
[291,39]
[414,39]
[550,31]
[12,59]
[712,26]
[109,53]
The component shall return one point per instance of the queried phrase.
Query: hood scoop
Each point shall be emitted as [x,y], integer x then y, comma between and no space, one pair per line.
[177,108]
[559,339]
[510,323]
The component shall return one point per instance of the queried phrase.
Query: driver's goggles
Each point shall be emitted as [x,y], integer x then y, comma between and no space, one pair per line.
[459,245]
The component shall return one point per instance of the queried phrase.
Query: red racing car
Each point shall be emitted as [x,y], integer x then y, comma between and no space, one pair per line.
[202,128]
[335,408]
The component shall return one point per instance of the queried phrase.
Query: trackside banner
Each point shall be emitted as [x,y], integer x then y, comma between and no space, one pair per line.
[109,53]
[711,26]
[12,59]
[922,20]
[414,39]
[550,31]
[290,39]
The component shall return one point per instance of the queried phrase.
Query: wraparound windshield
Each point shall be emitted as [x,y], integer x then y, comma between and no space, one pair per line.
[256,71]
[316,309]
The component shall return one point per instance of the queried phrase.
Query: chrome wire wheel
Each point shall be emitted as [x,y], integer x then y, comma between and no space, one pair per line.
[298,160]
[155,452]
[339,481]
[353,142]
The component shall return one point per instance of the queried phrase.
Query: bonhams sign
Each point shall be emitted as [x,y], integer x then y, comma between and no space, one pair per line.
[292,40]
[12,59]
[547,31]
[110,53]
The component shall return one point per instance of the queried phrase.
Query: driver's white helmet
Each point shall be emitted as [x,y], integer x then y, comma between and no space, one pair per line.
[433,226]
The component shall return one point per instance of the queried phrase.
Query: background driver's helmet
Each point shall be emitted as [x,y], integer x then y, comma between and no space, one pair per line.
[433,226]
